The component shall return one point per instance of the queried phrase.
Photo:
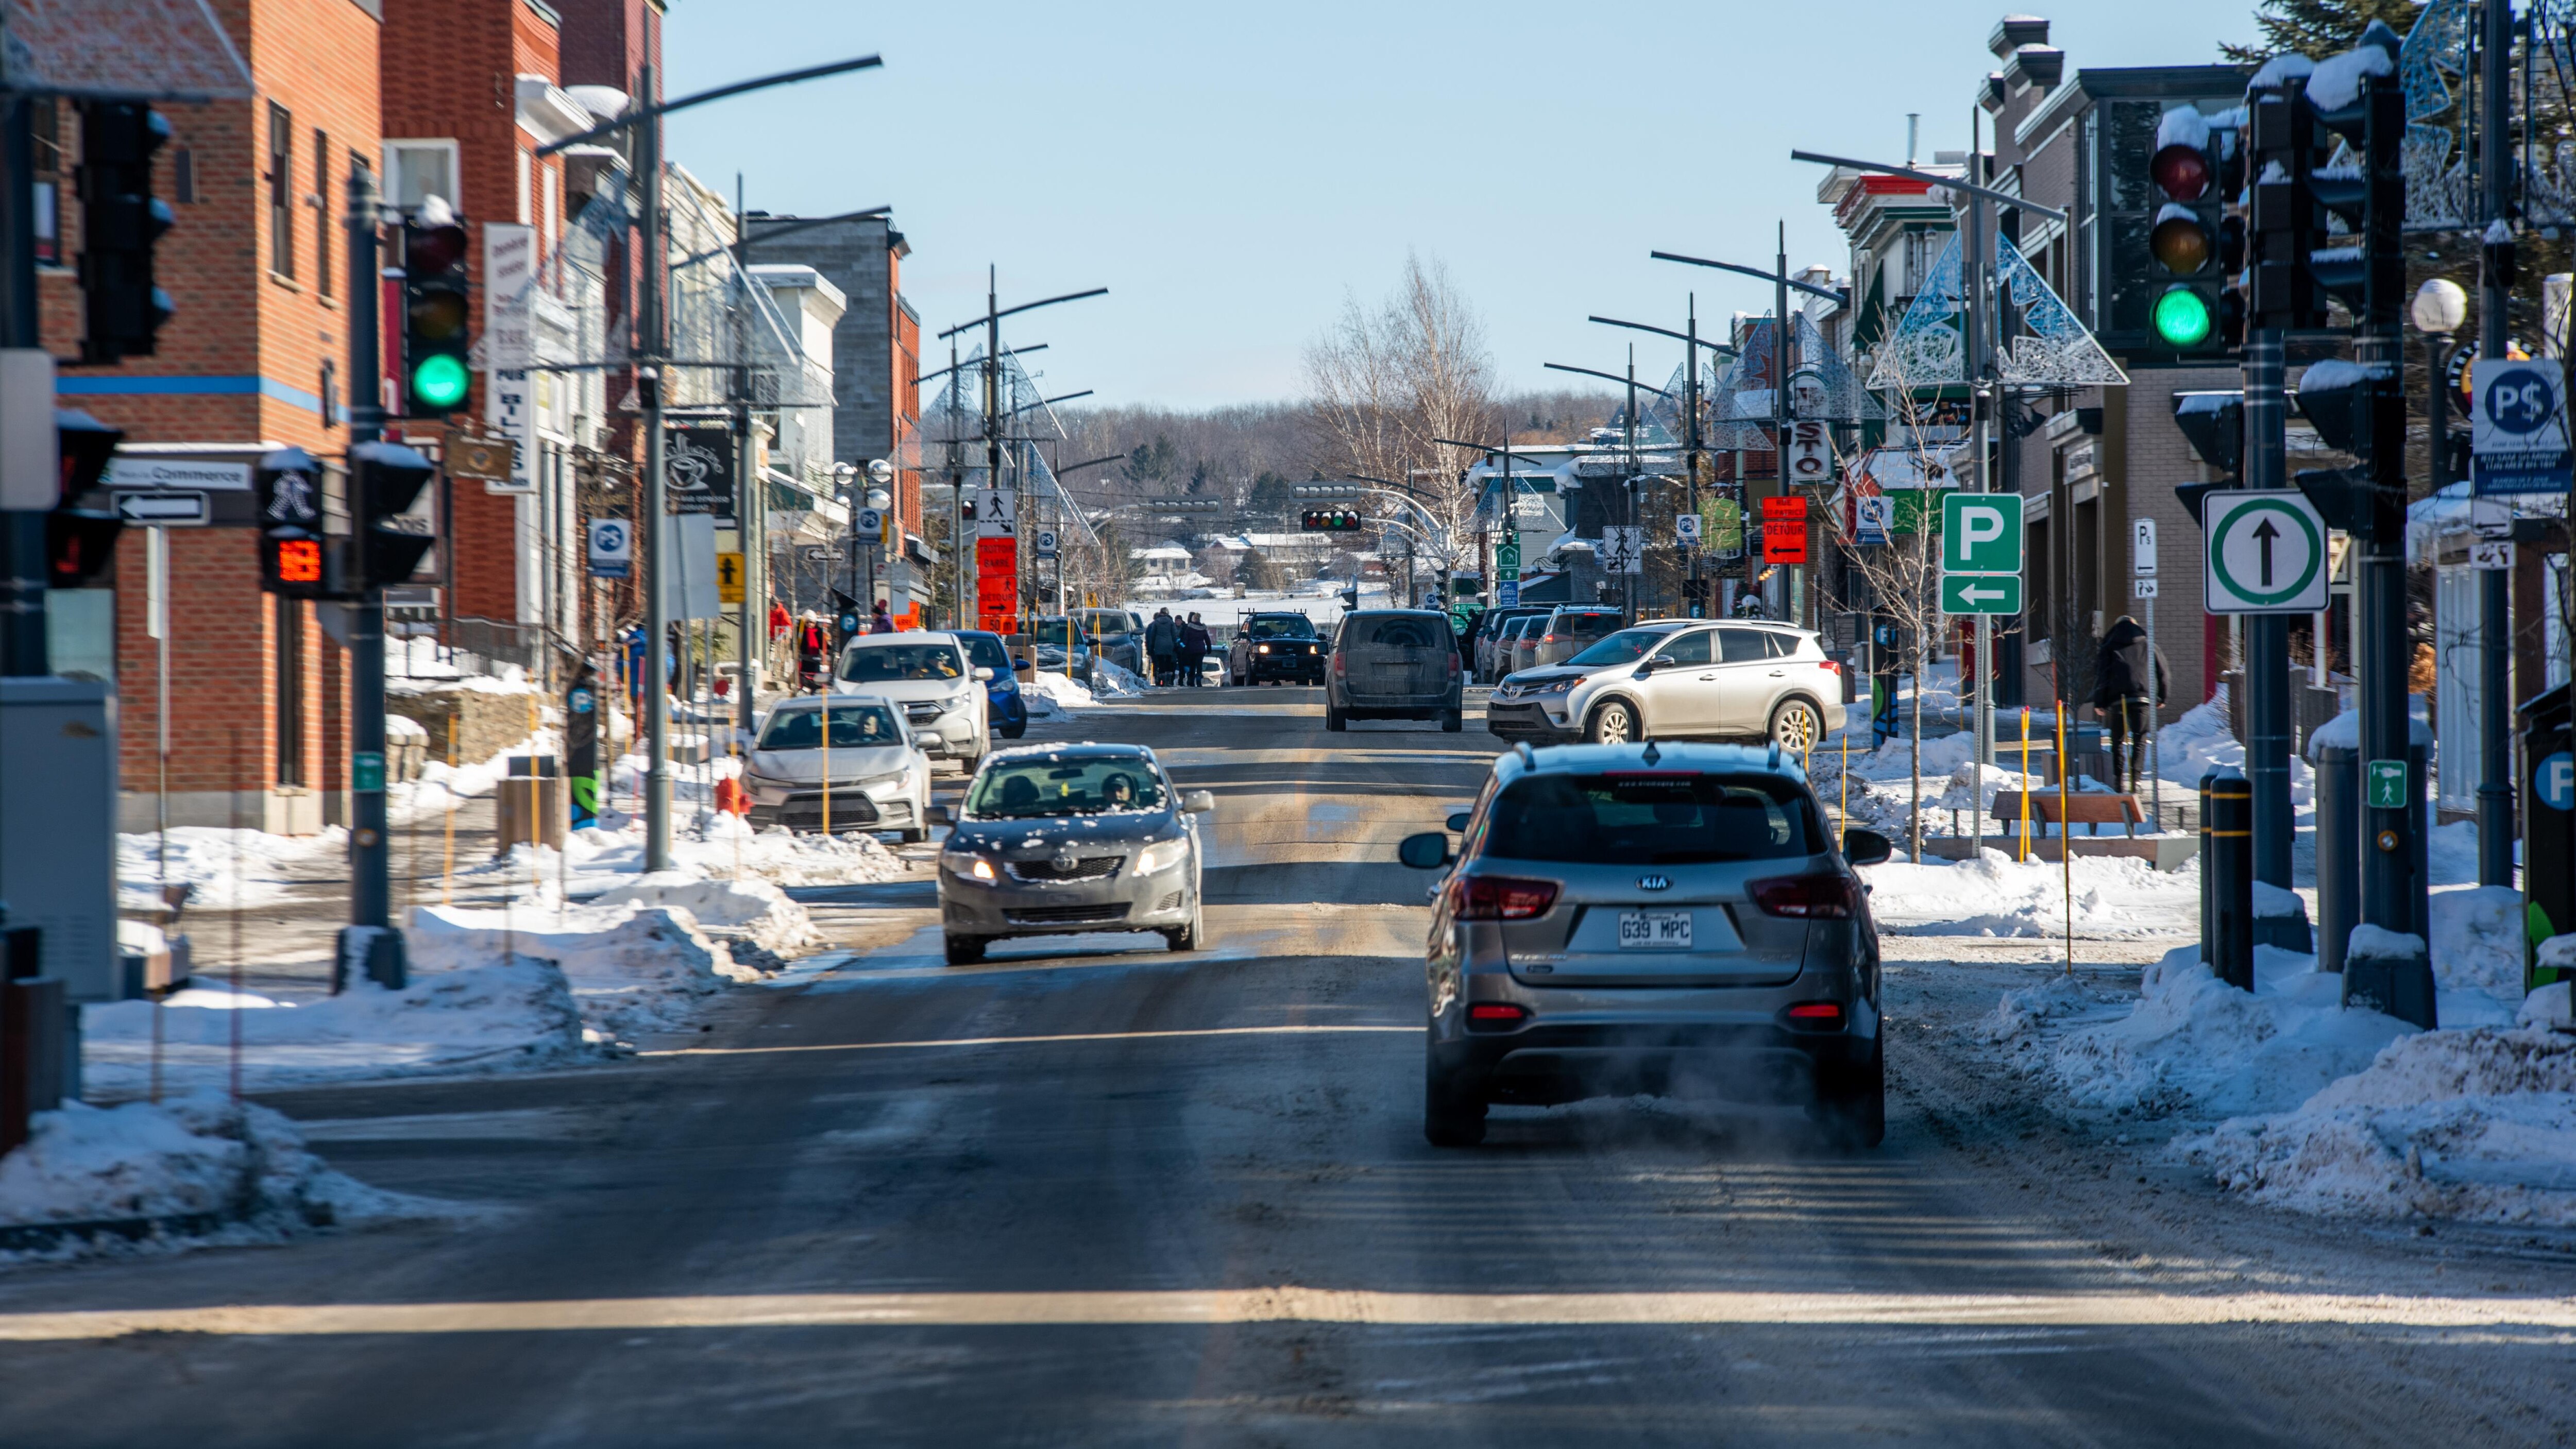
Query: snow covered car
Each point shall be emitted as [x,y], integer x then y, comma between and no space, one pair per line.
[1008,712]
[928,675]
[871,776]
[1675,919]
[1054,839]
[1678,679]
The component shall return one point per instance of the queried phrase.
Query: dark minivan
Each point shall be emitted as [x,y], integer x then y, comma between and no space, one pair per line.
[1395,664]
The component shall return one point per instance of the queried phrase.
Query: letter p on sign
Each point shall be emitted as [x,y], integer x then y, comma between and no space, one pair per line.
[1981,533]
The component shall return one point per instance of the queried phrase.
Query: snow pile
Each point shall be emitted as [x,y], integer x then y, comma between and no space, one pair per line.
[631,968]
[714,846]
[2195,1044]
[2477,1124]
[1116,681]
[1895,759]
[2116,897]
[2025,1008]
[1050,695]
[2477,955]
[750,910]
[505,1014]
[228,868]
[1969,790]
[195,1154]
[2198,742]
[442,785]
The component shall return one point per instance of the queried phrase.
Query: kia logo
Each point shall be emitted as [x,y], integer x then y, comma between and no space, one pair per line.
[1654,882]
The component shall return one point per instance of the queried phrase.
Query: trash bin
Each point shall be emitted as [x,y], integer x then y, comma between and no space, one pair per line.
[2548,726]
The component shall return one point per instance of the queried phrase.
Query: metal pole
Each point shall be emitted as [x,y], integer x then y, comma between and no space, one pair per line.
[657,705]
[2266,663]
[1980,318]
[2495,614]
[22,531]
[370,854]
[1780,373]
[993,421]
[1690,461]
[752,533]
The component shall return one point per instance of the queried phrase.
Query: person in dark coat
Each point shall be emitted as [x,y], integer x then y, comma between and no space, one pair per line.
[1194,648]
[1162,644]
[2121,695]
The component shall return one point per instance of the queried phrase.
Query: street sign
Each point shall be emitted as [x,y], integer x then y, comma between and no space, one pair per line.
[1783,543]
[2267,552]
[871,521]
[1507,594]
[2386,784]
[728,578]
[1046,543]
[1981,593]
[1686,529]
[1786,508]
[1811,455]
[1507,555]
[2143,588]
[612,548]
[2142,551]
[2489,553]
[2553,781]
[1623,549]
[2518,427]
[162,510]
[1981,533]
[1873,519]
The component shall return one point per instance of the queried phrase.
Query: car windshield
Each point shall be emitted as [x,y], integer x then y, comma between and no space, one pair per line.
[1279,626]
[1651,817]
[1625,647]
[1053,631]
[879,662]
[1026,789]
[854,726]
[1104,626]
[987,652]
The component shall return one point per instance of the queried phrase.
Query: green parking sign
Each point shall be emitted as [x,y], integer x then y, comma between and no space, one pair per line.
[1981,533]
[1981,593]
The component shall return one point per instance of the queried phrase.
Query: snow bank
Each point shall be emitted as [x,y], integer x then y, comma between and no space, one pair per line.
[196,1154]
[713,846]
[2116,897]
[630,968]
[1967,789]
[1051,695]
[2477,955]
[2477,1124]
[229,868]
[497,1015]
[752,910]
[1895,759]
[1117,681]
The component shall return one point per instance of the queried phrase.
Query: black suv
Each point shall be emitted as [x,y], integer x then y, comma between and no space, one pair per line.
[1268,648]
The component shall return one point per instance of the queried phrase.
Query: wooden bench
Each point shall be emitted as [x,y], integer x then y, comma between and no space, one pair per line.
[2047,807]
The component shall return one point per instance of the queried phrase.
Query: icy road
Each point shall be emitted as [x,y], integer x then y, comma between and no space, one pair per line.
[1108,1195]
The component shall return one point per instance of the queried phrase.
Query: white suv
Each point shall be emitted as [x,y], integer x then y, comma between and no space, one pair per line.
[1678,679]
[929,676]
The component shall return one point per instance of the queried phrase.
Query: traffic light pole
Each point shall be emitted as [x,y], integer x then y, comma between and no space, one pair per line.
[2265,669]
[657,704]
[370,854]
[2495,279]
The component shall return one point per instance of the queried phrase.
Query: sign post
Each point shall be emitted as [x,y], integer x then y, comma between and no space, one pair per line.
[2142,569]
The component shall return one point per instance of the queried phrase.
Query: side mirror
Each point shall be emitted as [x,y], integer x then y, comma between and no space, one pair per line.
[983,672]
[1866,847]
[1458,819]
[1427,851]
[939,815]
[1198,802]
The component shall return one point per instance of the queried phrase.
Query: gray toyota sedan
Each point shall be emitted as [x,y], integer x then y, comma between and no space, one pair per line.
[1055,839]
[1673,919]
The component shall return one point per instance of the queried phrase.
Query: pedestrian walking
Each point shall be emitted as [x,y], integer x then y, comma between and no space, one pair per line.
[1194,650]
[2124,693]
[813,654]
[881,622]
[1162,645]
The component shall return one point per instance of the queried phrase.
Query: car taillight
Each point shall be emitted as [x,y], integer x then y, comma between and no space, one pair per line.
[1499,898]
[1548,637]
[1497,1013]
[1338,666]
[1453,666]
[1827,897]
[1817,1013]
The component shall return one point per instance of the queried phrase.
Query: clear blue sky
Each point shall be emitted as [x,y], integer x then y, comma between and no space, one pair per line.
[1230,172]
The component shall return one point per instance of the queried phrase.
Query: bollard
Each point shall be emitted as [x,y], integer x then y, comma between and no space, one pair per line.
[2335,751]
[2208,919]
[2389,971]
[2227,875]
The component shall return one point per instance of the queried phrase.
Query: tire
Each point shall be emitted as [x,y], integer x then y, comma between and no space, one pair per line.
[1453,1112]
[1014,732]
[966,950]
[1335,721]
[914,836]
[1851,1105]
[1192,936]
[1614,722]
[1452,721]
[1796,726]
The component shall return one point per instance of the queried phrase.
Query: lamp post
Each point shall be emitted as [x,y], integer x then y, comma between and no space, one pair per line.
[1692,342]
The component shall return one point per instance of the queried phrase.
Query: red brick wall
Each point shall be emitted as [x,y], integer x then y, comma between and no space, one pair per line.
[606,41]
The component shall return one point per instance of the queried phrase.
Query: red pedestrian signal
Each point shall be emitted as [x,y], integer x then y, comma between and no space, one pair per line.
[298,561]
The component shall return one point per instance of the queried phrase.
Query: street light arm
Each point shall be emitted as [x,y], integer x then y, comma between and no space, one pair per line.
[1023,307]
[1841,298]
[975,362]
[1719,348]
[1609,377]
[1049,401]
[1389,483]
[637,115]
[1954,183]
[1087,463]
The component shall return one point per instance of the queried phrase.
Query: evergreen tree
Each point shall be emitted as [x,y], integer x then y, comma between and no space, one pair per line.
[2318,28]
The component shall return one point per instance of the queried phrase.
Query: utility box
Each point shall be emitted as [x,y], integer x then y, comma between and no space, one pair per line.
[2548,828]
[58,827]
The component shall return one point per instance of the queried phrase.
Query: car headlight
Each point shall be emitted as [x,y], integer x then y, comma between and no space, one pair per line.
[874,783]
[1260,648]
[971,867]
[1162,855]
[1556,686]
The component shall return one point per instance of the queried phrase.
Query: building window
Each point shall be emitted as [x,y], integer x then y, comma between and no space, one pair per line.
[418,170]
[281,190]
[527,192]
[183,176]
[322,212]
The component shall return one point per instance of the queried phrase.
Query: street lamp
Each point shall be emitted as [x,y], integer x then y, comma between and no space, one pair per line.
[2440,306]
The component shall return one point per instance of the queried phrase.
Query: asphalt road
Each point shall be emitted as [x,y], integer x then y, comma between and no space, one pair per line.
[1115,1195]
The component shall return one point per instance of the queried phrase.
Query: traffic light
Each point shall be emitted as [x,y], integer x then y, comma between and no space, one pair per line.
[120,220]
[2196,168]
[2343,401]
[385,479]
[80,534]
[1330,520]
[2286,224]
[292,551]
[2356,96]
[437,317]
[2213,423]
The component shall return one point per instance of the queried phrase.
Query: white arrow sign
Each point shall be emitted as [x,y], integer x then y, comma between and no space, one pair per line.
[2267,552]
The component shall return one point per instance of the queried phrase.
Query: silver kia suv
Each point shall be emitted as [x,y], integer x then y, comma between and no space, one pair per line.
[1673,919]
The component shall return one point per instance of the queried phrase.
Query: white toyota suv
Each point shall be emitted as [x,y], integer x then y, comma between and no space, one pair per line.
[940,690]
[1678,679]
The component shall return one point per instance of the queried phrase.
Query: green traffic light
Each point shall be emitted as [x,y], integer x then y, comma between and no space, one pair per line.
[2182,318]
[441,381]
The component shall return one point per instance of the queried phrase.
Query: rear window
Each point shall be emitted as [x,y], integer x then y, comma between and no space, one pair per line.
[1398,631]
[987,652]
[1106,625]
[1586,625]
[1279,626]
[1653,818]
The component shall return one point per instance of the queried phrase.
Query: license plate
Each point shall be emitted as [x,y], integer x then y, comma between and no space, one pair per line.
[1654,930]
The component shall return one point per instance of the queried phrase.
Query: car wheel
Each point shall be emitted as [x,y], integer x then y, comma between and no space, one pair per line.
[1795,726]
[1334,720]
[1453,1112]
[1851,1104]
[966,950]
[1013,732]
[914,836]
[1613,723]
[1452,721]
[1191,936]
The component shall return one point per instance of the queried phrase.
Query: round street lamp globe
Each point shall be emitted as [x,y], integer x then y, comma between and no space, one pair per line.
[880,471]
[879,498]
[440,381]
[2439,307]
[2181,318]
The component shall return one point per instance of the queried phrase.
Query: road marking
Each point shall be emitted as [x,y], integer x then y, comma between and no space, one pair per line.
[523,1124]
[975,1041]
[1290,1303]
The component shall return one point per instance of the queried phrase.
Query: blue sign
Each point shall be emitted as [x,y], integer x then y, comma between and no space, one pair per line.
[612,548]
[2519,427]
[2553,781]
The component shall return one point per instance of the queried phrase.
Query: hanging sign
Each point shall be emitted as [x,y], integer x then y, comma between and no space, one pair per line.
[1811,455]
[698,461]
[612,548]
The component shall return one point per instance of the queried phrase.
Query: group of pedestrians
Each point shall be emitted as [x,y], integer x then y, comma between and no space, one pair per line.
[1176,649]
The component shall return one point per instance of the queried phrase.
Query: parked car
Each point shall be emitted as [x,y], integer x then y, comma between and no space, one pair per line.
[1491,664]
[1678,679]
[1395,664]
[941,691]
[1053,839]
[870,775]
[1117,635]
[1570,630]
[1271,648]
[1048,636]
[1668,919]
[1518,648]
[1003,704]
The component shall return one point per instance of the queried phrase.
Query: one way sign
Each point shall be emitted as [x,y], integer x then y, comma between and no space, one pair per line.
[2267,552]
